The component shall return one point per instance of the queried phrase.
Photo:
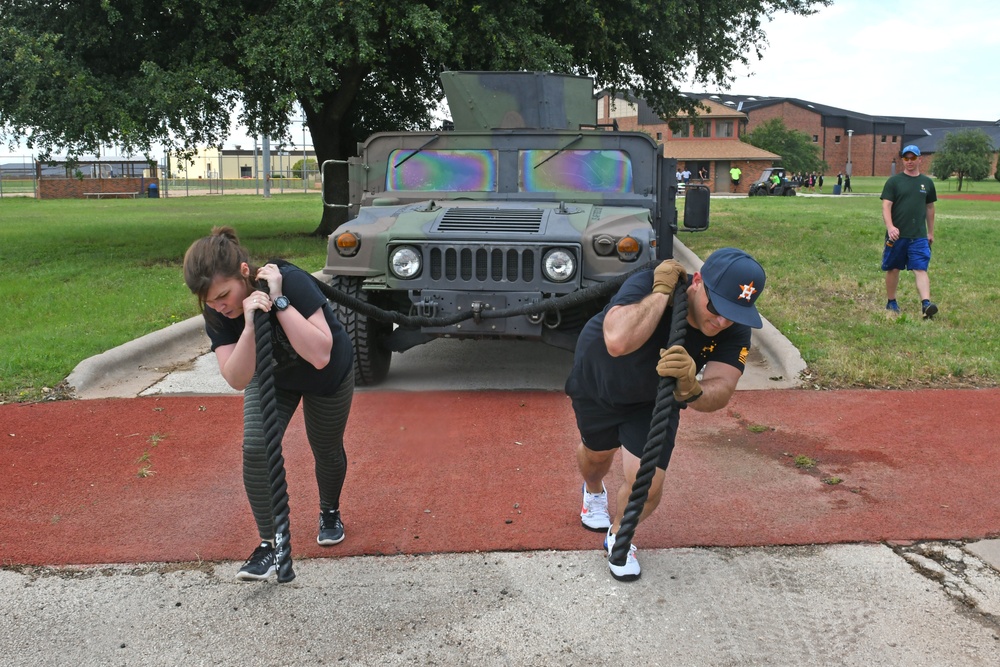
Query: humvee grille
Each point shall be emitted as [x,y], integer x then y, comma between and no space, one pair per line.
[496,220]
[478,264]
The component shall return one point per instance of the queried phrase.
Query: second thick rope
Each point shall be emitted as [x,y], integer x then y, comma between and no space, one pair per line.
[663,409]
[275,460]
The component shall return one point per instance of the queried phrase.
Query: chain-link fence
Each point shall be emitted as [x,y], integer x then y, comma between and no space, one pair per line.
[17,176]
[236,171]
[228,172]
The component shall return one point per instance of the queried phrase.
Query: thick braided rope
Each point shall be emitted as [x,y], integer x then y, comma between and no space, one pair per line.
[566,301]
[664,407]
[275,460]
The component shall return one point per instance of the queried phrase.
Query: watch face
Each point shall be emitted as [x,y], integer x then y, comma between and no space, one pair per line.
[281,302]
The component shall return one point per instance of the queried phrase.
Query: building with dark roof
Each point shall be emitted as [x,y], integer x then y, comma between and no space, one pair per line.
[849,142]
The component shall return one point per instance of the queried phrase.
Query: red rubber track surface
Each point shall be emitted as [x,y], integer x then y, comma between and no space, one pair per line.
[494,471]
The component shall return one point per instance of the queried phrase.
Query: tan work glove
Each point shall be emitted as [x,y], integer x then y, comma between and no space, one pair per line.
[666,276]
[675,362]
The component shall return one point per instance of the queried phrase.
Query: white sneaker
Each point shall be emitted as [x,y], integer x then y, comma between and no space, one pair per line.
[627,572]
[594,513]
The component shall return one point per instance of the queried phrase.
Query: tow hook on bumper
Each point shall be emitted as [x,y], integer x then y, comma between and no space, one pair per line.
[477,310]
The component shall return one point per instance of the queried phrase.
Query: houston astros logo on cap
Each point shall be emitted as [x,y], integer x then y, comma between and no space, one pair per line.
[734,281]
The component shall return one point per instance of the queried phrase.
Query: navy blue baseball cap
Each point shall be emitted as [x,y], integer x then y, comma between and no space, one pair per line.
[734,280]
[911,149]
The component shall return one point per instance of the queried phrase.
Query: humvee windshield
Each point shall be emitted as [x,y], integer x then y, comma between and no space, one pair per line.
[574,170]
[442,170]
[475,170]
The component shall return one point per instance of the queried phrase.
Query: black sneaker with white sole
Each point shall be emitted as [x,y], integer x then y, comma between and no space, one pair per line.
[260,565]
[331,528]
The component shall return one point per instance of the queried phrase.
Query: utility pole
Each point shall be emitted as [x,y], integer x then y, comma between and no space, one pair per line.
[850,133]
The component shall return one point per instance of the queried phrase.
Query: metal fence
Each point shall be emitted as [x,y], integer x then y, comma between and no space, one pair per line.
[189,186]
[17,176]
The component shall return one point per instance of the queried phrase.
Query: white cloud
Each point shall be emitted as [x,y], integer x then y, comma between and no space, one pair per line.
[894,57]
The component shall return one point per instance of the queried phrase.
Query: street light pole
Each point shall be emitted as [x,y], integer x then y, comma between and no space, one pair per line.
[850,133]
[304,165]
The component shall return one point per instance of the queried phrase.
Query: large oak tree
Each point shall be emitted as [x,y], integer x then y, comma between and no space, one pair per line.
[76,74]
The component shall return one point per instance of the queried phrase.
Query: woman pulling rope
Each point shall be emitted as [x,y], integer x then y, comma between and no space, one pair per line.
[311,363]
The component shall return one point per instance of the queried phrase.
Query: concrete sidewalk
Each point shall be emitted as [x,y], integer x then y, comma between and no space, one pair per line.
[175,360]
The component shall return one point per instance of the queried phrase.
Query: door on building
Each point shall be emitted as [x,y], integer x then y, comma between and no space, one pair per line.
[722,181]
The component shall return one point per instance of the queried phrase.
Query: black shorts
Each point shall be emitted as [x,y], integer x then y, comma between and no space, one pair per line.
[603,429]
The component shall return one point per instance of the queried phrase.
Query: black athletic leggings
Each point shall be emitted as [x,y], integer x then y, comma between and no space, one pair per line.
[325,419]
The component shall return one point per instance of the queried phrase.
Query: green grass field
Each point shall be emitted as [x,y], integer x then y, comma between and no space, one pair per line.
[826,291]
[86,276]
[90,275]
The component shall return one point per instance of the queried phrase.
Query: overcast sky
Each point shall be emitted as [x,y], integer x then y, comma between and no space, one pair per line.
[879,57]
[885,58]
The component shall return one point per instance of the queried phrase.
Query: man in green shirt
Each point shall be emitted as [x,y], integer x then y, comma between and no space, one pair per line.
[735,174]
[908,213]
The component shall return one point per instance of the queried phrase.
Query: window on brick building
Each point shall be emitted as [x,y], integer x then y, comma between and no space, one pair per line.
[659,136]
[883,138]
[702,129]
[623,109]
[894,138]
[682,132]
[836,139]
[815,138]
[723,128]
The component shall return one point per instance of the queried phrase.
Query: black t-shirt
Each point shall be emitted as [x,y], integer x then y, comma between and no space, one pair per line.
[290,371]
[631,380]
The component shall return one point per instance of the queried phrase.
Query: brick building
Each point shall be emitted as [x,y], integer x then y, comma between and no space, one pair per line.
[711,141]
[849,142]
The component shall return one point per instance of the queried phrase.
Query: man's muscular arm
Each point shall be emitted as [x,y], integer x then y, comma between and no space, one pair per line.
[626,328]
[718,384]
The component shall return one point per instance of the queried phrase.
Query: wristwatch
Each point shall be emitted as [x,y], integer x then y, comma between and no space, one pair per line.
[281,302]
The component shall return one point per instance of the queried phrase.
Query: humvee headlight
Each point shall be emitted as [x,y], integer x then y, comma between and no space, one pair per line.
[628,249]
[348,244]
[404,262]
[558,265]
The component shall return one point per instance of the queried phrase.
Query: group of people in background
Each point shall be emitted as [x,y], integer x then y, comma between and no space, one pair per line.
[813,182]
[844,181]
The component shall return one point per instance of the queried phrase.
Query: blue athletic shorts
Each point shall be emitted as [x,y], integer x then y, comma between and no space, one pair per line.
[602,429]
[906,254]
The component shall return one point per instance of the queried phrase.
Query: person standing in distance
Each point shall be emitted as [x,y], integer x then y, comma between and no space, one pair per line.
[313,364]
[735,173]
[620,359]
[908,213]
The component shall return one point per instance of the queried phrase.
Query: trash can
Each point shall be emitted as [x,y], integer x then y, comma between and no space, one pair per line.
[154,191]
[836,189]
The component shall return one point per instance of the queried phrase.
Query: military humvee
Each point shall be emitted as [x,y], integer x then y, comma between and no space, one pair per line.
[524,201]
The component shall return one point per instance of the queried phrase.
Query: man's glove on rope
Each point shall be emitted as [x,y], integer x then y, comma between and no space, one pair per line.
[666,276]
[675,362]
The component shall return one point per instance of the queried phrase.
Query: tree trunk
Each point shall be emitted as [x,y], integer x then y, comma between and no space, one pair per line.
[333,140]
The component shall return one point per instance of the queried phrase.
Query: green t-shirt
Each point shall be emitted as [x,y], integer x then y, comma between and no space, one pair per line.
[910,196]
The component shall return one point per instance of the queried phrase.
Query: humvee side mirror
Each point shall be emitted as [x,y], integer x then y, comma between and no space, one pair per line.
[696,204]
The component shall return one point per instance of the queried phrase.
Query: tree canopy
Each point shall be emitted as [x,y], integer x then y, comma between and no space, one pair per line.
[797,150]
[80,74]
[965,154]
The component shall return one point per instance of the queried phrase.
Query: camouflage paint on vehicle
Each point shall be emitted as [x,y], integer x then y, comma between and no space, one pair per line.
[524,201]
